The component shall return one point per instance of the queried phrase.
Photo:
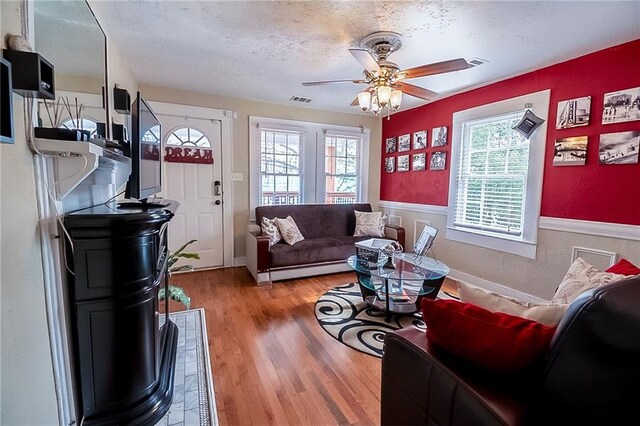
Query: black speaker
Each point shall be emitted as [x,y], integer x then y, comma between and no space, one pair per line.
[121,101]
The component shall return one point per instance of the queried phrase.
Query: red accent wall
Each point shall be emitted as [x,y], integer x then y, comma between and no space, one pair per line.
[603,193]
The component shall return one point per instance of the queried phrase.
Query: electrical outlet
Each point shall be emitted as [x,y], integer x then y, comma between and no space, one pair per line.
[237,177]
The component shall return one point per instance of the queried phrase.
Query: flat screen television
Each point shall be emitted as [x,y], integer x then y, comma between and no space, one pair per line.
[146,150]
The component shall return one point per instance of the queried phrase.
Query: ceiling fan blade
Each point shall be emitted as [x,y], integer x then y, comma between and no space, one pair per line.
[355,102]
[416,91]
[320,83]
[436,68]
[363,56]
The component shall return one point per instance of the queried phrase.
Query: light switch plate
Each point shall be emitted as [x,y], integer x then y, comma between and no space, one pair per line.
[237,177]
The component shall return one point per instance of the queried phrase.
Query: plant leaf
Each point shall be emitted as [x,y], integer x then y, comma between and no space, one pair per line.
[177,252]
[182,268]
[189,255]
[177,294]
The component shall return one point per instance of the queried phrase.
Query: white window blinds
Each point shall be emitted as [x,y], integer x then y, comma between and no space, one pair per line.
[280,163]
[492,176]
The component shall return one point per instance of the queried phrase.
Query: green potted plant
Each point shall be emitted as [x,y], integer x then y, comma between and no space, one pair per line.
[177,293]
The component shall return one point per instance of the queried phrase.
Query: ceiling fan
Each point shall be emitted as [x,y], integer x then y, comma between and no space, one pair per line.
[384,79]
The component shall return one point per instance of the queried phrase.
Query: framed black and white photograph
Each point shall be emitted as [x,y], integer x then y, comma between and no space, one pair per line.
[570,151]
[621,106]
[390,147]
[619,148]
[438,160]
[403,163]
[404,143]
[425,240]
[390,164]
[439,136]
[419,161]
[420,139]
[573,113]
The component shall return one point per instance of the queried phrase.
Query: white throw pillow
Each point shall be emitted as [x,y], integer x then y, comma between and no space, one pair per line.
[270,229]
[580,277]
[545,313]
[289,230]
[369,224]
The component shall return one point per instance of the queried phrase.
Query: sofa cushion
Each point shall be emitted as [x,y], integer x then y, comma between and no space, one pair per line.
[318,220]
[289,230]
[580,277]
[545,313]
[314,250]
[370,224]
[624,267]
[498,342]
[270,229]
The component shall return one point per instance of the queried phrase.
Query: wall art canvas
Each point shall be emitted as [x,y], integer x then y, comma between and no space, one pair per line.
[404,143]
[420,139]
[390,164]
[621,106]
[403,163]
[438,160]
[570,151]
[418,162]
[439,136]
[573,113]
[619,148]
[390,147]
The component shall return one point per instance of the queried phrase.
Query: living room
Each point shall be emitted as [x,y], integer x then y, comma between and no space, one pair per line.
[216,69]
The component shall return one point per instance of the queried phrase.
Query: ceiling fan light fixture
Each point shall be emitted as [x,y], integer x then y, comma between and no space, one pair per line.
[384,94]
[364,100]
[375,106]
[395,99]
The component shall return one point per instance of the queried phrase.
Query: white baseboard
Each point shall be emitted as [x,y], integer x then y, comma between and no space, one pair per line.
[494,287]
[240,261]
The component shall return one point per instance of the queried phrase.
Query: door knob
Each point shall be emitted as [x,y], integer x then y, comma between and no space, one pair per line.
[216,188]
[217,202]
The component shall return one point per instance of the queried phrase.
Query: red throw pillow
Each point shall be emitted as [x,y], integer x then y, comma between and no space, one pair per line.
[498,342]
[624,267]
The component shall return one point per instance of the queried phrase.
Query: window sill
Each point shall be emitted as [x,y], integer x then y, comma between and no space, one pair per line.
[504,244]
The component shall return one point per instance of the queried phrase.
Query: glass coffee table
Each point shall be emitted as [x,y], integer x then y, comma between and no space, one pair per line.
[401,289]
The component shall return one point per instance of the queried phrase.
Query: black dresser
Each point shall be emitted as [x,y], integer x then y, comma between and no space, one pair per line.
[124,358]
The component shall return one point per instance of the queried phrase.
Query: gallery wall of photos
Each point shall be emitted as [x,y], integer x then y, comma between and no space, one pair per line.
[412,151]
[593,123]
[622,106]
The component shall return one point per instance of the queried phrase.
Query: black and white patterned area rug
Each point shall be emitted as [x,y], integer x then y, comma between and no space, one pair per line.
[343,314]
[193,398]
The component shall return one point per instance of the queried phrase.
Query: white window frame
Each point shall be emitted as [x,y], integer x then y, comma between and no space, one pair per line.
[526,244]
[311,164]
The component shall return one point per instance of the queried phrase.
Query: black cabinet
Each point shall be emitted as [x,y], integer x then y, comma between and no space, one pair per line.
[124,359]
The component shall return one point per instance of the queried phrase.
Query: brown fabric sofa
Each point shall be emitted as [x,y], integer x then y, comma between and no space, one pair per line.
[590,376]
[328,231]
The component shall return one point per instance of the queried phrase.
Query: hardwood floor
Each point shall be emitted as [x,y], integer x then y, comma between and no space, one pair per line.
[272,364]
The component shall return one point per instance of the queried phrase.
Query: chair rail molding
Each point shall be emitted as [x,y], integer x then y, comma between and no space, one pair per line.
[413,207]
[601,229]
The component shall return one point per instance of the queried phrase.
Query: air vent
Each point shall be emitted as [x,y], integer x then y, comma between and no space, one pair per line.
[300,99]
[474,62]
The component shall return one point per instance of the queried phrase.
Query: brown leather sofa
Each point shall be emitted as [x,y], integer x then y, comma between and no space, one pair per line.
[591,374]
[328,231]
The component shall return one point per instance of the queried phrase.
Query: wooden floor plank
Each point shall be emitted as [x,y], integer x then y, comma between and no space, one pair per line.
[271,361]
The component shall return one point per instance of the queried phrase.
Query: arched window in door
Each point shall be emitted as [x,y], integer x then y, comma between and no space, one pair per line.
[85,124]
[187,137]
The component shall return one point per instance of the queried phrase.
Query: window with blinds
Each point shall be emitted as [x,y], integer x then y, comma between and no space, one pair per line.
[280,176]
[492,176]
[341,169]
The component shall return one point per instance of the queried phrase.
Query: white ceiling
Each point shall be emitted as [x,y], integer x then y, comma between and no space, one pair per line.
[264,50]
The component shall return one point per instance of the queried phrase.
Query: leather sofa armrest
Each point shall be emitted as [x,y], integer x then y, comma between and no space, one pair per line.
[422,384]
[396,233]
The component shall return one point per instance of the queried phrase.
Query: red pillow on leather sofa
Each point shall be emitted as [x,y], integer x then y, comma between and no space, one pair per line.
[624,267]
[496,341]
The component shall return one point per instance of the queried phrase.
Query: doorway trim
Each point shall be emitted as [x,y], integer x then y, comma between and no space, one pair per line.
[225,118]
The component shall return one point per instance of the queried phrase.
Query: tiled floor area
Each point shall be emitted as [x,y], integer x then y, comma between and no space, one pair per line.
[193,402]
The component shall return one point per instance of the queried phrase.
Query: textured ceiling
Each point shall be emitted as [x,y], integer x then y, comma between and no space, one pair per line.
[264,50]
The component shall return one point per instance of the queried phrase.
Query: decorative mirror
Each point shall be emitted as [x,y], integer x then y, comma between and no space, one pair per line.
[69,36]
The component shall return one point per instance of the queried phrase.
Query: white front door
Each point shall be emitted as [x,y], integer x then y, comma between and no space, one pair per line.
[197,187]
